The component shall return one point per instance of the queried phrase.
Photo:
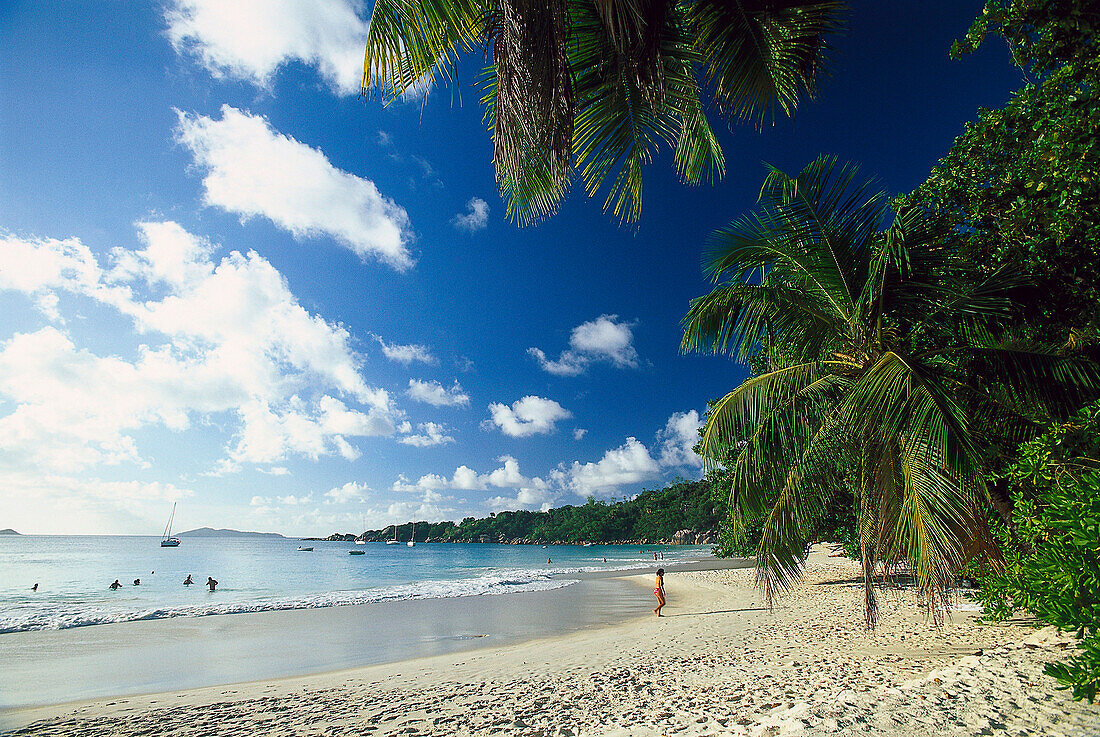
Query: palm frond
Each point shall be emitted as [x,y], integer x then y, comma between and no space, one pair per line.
[734,417]
[1054,383]
[532,105]
[803,493]
[760,55]
[418,42]
[814,229]
[626,110]
[734,318]
[832,214]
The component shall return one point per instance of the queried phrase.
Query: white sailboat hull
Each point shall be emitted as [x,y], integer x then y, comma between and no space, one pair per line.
[168,541]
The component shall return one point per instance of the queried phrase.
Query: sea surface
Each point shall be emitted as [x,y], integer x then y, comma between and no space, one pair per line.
[257,574]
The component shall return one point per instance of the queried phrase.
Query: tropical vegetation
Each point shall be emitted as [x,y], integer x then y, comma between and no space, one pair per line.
[653,516]
[1019,187]
[594,88]
[929,370]
[887,367]
[1051,542]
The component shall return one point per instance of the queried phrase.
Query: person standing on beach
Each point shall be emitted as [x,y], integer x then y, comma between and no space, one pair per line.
[659,591]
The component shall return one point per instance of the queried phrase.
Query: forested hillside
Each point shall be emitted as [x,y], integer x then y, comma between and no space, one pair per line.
[685,511]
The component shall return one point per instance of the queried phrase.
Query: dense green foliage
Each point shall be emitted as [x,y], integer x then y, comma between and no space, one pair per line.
[652,516]
[1052,544]
[1017,192]
[594,89]
[891,371]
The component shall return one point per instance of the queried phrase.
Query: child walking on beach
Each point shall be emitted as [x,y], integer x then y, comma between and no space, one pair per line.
[659,591]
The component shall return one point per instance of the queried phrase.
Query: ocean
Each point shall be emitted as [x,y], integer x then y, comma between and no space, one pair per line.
[258,574]
[283,612]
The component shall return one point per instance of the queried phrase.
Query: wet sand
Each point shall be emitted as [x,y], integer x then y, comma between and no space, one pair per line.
[147,656]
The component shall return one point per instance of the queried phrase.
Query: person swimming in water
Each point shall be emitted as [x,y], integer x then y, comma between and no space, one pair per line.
[659,591]
[211,583]
[137,582]
[116,585]
[187,581]
[34,588]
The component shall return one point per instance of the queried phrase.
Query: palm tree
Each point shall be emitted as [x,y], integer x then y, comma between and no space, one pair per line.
[884,364]
[596,87]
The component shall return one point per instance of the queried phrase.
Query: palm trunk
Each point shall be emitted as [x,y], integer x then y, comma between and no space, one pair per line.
[867,543]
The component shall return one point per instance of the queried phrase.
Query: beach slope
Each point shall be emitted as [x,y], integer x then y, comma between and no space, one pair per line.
[718,663]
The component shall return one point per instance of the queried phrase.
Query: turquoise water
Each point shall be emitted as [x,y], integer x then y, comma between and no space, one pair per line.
[264,574]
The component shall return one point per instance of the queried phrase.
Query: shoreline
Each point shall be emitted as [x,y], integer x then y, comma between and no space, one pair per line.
[148,656]
[719,663]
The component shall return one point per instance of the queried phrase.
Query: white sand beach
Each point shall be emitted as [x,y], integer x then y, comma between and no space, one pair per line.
[718,663]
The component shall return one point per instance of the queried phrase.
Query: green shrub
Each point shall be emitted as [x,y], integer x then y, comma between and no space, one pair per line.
[1052,547]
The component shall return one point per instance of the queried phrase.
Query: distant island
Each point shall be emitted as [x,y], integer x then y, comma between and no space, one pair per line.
[8,531]
[211,532]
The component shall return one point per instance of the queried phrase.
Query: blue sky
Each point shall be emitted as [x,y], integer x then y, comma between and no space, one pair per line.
[227,280]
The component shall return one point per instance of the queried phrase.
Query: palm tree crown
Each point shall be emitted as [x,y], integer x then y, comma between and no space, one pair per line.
[884,369]
[595,87]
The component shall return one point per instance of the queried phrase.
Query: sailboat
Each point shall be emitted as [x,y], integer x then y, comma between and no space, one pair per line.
[412,538]
[169,541]
[394,541]
[363,540]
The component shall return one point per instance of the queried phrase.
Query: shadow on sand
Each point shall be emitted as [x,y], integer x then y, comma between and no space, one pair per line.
[721,611]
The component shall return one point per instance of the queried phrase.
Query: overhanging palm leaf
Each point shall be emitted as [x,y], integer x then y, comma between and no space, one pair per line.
[761,54]
[597,87]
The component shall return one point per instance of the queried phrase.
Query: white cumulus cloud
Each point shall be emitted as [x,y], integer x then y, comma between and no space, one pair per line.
[677,438]
[251,39]
[475,218]
[435,394]
[604,339]
[37,501]
[464,478]
[253,170]
[350,491]
[218,336]
[540,499]
[406,354]
[430,434]
[627,465]
[528,416]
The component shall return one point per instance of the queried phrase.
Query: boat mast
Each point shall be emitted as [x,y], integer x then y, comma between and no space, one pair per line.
[168,529]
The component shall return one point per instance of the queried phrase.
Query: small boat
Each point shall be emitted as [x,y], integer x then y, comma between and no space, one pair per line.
[363,540]
[304,549]
[356,552]
[412,538]
[169,541]
[394,541]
